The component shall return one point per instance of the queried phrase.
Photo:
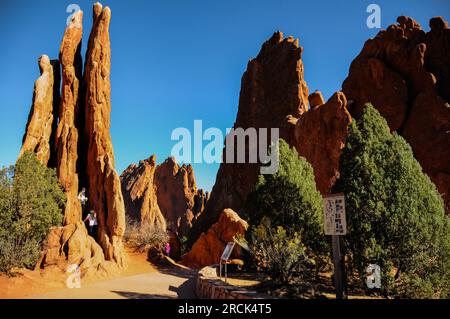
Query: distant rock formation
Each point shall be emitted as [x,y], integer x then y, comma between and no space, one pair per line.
[274,94]
[139,193]
[177,195]
[210,245]
[405,73]
[58,135]
[165,195]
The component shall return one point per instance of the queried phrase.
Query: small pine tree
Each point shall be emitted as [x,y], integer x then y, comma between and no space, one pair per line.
[31,201]
[289,198]
[394,212]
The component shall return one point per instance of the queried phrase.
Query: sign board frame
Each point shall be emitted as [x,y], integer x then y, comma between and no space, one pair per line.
[227,251]
[225,258]
[335,222]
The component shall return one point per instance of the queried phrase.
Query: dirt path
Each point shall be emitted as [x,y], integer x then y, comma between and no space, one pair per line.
[141,279]
[166,283]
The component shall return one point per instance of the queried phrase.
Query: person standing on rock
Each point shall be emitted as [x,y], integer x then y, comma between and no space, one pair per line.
[92,217]
[83,199]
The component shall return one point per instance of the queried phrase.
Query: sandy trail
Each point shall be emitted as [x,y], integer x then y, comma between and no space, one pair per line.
[141,279]
[167,283]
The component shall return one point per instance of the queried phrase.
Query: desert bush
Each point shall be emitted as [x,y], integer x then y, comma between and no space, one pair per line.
[278,255]
[143,236]
[31,201]
[395,214]
[17,252]
[290,199]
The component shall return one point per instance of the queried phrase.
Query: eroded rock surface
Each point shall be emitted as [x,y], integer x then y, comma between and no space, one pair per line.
[209,246]
[320,136]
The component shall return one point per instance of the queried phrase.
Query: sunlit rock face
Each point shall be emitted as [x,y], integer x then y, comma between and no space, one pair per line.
[69,129]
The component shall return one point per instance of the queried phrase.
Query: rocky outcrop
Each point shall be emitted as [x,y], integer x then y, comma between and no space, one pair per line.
[320,136]
[272,88]
[404,72]
[37,137]
[139,193]
[103,183]
[164,195]
[79,146]
[210,245]
[177,195]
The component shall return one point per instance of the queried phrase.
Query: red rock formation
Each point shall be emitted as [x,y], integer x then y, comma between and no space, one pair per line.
[37,137]
[320,136]
[139,193]
[103,182]
[209,246]
[176,190]
[315,99]
[404,72]
[272,88]
[165,195]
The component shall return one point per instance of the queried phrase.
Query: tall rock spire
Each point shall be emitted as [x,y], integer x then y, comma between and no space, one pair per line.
[37,137]
[103,182]
[67,135]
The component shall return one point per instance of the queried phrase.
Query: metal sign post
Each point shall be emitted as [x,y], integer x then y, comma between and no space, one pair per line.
[225,257]
[335,225]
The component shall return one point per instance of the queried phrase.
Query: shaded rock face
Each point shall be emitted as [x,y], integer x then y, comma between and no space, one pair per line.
[165,195]
[210,245]
[81,118]
[139,193]
[320,136]
[272,87]
[405,73]
[37,137]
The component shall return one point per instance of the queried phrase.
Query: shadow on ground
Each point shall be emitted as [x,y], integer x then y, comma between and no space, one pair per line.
[137,295]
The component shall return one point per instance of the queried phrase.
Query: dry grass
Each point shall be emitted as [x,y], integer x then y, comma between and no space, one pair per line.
[142,237]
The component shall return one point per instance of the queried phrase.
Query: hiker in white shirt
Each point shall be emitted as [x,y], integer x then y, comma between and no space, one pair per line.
[82,198]
[92,217]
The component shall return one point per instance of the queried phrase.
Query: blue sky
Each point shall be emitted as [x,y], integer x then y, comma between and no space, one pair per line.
[174,61]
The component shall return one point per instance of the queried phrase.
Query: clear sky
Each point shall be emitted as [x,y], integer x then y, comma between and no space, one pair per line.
[174,61]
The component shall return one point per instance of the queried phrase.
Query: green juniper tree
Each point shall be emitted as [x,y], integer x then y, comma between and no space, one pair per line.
[395,214]
[289,199]
[31,201]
